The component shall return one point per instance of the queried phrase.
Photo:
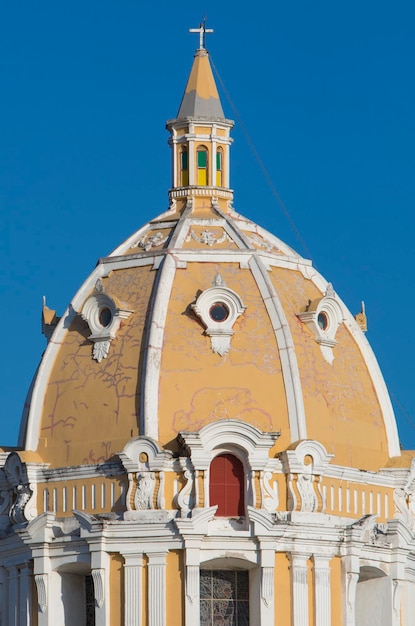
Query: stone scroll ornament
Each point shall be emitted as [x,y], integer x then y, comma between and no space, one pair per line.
[404,499]
[18,501]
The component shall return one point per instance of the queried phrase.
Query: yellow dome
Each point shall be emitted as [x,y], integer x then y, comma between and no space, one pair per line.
[202,315]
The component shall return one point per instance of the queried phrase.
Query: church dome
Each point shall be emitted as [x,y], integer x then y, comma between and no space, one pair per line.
[201,316]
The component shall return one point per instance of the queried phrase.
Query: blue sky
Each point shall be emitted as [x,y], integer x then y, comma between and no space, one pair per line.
[326,91]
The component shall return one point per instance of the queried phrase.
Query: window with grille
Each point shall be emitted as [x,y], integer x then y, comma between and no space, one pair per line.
[224,598]
[89,601]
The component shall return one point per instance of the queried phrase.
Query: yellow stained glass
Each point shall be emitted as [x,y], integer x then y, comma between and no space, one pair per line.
[202,176]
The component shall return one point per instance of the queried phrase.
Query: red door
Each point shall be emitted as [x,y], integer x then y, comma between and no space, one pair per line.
[227,486]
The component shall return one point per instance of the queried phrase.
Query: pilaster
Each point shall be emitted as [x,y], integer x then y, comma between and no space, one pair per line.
[322,596]
[157,588]
[133,608]
[299,588]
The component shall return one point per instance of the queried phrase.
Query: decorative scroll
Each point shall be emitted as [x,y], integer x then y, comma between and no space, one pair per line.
[151,241]
[292,498]
[267,585]
[98,576]
[269,493]
[41,581]
[18,502]
[160,494]
[184,497]
[208,238]
[192,583]
[404,499]
[351,585]
[306,466]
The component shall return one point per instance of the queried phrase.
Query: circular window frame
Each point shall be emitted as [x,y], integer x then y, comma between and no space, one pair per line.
[325,325]
[223,296]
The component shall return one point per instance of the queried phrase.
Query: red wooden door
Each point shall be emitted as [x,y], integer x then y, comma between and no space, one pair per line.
[227,486]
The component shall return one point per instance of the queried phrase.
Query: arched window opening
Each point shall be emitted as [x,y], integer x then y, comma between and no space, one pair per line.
[202,166]
[184,167]
[224,597]
[227,486]
[78,598]
[219,166]
[373,597]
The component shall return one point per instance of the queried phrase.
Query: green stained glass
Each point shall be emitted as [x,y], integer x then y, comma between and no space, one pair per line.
[185,160]
[219,161]
[202,158]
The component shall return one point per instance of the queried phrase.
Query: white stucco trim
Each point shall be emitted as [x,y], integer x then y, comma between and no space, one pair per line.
[153,351]
[289,365]
[42,376]
[373,368]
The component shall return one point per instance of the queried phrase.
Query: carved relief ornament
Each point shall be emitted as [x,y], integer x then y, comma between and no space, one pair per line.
[103,314]
[218,308]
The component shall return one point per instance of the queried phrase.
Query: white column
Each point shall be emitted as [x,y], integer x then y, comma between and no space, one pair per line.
[322,595]
[133,609]
[25,593]
[299,589]
[176,182]
[192,161]
[157,588]
[213,158]
[13,596]
[226,167]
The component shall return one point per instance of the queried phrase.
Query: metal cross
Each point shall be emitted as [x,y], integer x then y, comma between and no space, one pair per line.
[202,30]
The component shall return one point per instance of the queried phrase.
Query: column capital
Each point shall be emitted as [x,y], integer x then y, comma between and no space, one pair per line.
[157,558]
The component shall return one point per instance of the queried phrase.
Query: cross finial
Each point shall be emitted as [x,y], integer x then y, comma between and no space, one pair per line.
[202,30]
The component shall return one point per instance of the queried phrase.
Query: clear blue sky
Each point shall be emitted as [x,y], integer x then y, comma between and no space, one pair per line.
[326,91]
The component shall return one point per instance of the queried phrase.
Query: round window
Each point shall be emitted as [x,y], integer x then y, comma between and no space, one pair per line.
[322,321]
[219,312]
[105,316]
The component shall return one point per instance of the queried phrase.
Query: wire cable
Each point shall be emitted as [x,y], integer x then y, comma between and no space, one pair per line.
[261,164]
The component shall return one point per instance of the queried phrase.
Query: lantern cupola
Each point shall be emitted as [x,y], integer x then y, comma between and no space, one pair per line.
[200,138]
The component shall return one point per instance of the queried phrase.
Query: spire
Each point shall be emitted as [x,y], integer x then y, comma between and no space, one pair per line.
[200,139]
[201,98]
